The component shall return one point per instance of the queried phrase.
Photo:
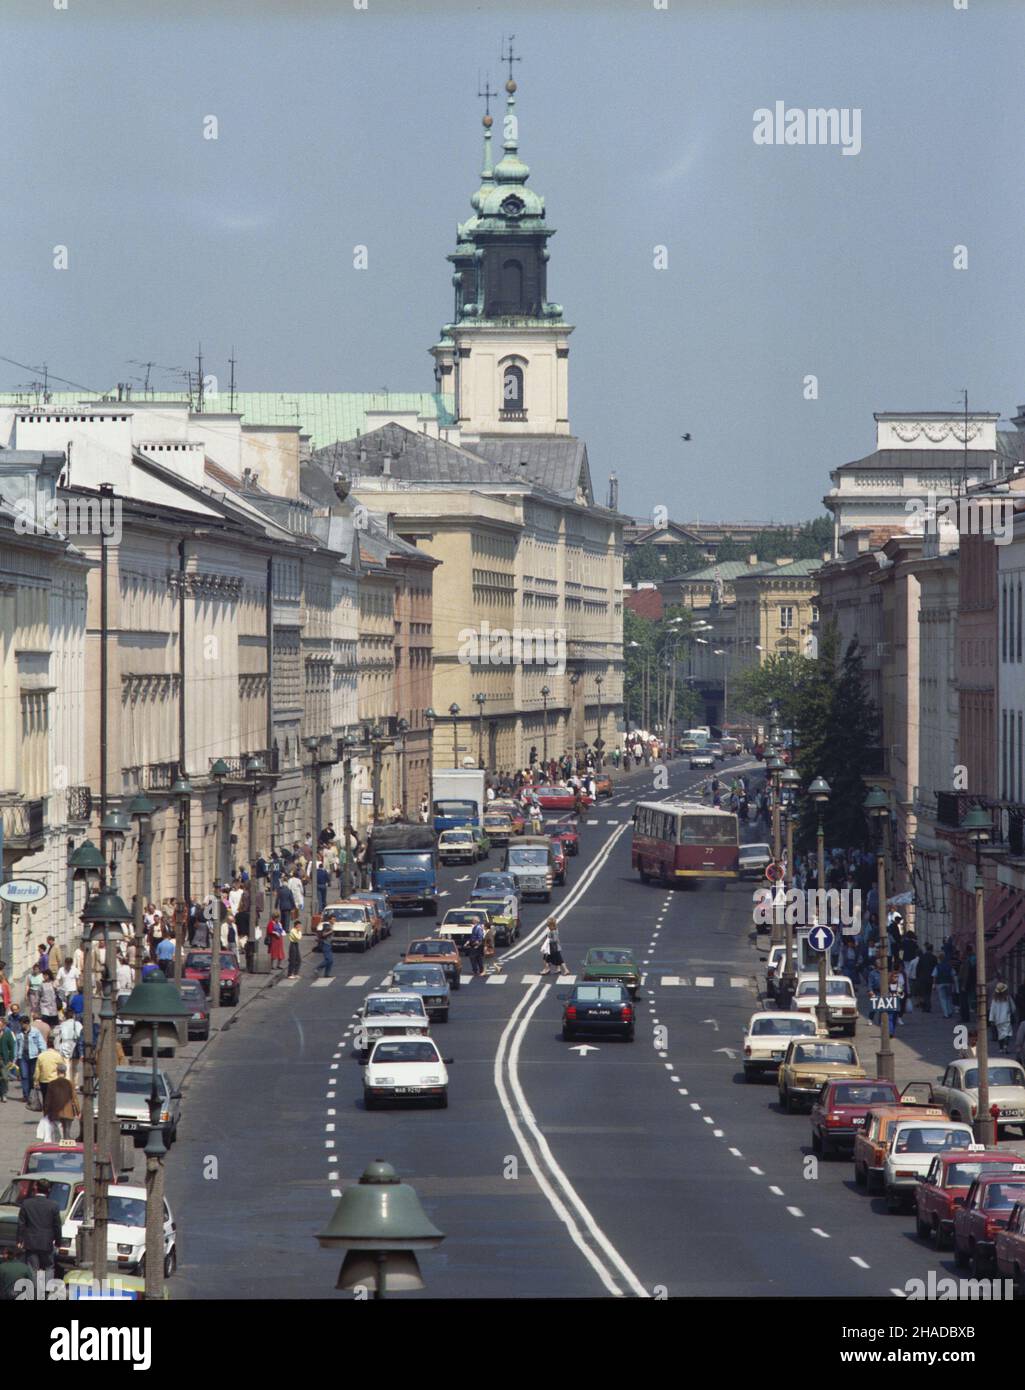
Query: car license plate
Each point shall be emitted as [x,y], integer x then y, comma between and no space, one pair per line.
[777,1056]
[407,1090]
[601,1013]
[1010,1112]
[129,1126]
[858,1120]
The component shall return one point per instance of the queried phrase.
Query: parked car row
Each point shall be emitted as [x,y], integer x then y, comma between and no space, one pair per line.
[360,922]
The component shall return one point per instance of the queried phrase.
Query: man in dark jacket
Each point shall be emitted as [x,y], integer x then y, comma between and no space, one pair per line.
[39,1228]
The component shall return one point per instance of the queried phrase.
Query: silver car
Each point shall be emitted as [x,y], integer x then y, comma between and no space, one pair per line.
[131,1104]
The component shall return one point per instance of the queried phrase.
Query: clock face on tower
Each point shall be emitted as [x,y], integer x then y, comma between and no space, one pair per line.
[512,206]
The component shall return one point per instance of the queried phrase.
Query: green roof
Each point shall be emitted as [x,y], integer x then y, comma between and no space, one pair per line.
[325,415]
[730,570]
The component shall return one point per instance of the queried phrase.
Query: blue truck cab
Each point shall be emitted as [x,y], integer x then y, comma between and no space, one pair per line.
[404,866]
[451,813]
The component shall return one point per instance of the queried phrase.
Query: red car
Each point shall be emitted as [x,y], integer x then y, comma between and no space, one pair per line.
[54,1159]
[565,833]
[560,798]
[947,1182]
[1010,1250]
[840,1110]
[560,860]
[197,967]
[981,1214]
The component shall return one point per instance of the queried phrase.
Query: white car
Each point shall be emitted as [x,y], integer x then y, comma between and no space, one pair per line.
[767,1037]
[394,1013]
[352,928]
[458,846]
[958,1090]
[401,1069]
[126,1231]
[702,758]
[912,1149]
[754,860]
[841,1001]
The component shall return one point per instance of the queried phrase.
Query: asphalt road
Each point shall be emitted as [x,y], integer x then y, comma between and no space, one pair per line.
[631,1169]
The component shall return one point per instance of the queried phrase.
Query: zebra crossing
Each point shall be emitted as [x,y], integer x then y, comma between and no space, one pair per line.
[367,983]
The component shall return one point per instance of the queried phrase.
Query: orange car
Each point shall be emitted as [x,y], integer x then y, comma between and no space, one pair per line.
[872,1142]
[602,784]
[515,813]
[436,950]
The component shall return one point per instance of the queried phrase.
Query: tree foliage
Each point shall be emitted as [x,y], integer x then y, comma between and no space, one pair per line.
[648,646]
[780,680]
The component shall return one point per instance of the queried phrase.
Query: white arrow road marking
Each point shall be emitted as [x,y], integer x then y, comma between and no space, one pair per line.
[584,1049]
[712,1022]
[465,879]
[730,1052]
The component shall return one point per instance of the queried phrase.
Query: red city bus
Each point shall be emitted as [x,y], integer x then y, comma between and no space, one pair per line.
[674,841]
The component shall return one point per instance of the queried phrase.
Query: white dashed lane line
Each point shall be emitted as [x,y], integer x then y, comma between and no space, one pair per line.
[857,1260]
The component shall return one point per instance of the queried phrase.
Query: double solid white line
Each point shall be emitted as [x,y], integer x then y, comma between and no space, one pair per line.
[603,1257]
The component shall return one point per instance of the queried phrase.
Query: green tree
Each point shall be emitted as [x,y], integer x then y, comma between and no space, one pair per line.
[780,680]
[644,563]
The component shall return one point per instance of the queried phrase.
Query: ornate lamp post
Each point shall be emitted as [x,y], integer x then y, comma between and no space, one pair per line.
[877,806]
[979,827]
[376,751]
[818,790]
[312,746]
[103,911]
[254,769]
[430,715]
[453,710]
[156,1002]
[218,771]
[382,1225]
[545,692]
[402,727]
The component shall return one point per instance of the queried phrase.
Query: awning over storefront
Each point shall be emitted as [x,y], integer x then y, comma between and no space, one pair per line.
[1012,928]
[998,904]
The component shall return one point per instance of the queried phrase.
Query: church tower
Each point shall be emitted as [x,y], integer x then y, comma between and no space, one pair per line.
[505,356]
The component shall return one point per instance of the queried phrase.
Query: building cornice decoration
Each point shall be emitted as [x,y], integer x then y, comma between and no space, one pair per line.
[936,430]
[199,585]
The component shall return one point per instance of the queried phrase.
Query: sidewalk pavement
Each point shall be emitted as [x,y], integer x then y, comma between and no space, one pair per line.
[18,1123]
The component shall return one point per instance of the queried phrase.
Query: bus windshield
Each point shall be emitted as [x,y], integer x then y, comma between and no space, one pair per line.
[708,830]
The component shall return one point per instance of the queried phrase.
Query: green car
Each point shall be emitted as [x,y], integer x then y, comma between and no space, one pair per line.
[483,843]
[616,964]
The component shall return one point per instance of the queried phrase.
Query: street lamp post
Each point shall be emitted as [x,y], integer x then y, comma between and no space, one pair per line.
[453,710]
[87,863]
[599,742]
[480,698]
[979,827]
[380,1223]
[344,747]
[142,808]
[182,790]
[818,790]
[254,767]
[402,727]
[376,752]
[877,805]
[155,1002]
[545,692]
[218,772]
[103,911]
[312,746]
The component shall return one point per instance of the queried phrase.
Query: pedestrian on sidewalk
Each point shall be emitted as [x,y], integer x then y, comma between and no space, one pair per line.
[295,938]
[925,974]
[1001,1016]
[61,1105]
[944,976]
[39,1228]
[8,1052]
[30,1046]
[276,942]
[327,955]
[966,978]
[553,953]
[68,1039]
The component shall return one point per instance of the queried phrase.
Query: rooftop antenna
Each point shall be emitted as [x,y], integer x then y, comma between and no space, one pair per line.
[199,363]
[46,390]
[231,384]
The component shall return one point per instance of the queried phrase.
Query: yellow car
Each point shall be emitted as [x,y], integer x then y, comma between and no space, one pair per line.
[811,1062]
[498,826]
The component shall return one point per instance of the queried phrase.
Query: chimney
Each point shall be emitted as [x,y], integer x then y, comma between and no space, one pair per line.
[613,493]
[784,559]
[362,454]
[752,559]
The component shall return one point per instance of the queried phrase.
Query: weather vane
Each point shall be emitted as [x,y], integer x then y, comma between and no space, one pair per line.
[510,58]
[487,94]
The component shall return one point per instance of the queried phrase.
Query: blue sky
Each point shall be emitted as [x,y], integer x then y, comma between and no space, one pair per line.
[340,126]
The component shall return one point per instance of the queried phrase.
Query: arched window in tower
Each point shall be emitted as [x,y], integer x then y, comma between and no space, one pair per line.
[512,388]
[512,287]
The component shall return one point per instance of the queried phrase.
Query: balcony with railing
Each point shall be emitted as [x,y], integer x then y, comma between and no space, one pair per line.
[237,766]
[80,805]
[24,823]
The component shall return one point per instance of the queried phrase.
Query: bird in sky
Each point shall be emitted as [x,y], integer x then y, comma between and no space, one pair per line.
[685,436]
